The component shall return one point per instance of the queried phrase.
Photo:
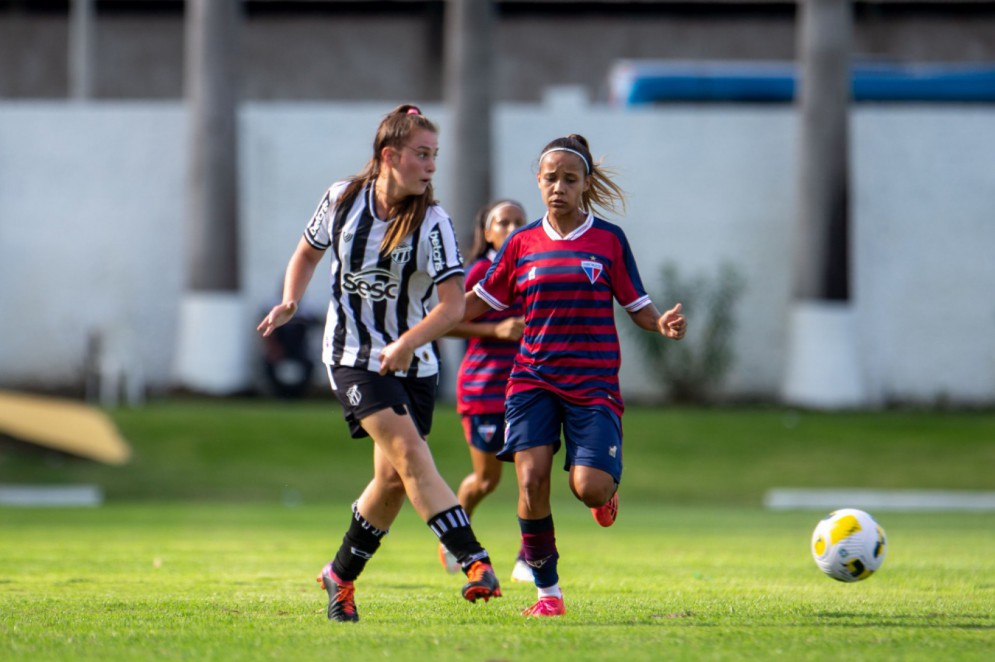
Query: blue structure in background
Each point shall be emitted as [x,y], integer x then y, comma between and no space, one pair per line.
[637,82]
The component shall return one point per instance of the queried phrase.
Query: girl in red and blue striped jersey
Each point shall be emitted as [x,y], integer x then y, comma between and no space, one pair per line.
[567,269]
[483,373]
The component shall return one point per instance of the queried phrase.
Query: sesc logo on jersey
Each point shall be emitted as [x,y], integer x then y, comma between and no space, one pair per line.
[371,284]
[486,431]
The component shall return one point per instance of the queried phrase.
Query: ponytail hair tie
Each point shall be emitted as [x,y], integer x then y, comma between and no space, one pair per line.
[413,110]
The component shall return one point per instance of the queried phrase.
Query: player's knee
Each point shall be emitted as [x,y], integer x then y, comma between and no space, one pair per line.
[533,494]
[409,458]
[390,482]
[487,483]
[594,494]
[394,485]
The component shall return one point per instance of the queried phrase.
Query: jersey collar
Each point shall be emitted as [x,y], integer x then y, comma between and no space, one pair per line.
[555,236]
[371,204]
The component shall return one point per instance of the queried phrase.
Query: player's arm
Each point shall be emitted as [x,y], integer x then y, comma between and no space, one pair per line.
[443,317]
[474,306]
[507,329]
[299,271]
[670,324]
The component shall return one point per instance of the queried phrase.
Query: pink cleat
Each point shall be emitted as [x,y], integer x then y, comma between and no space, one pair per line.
[548,606]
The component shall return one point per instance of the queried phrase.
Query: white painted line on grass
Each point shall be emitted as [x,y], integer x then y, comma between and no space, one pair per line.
[781,498]
[52,496]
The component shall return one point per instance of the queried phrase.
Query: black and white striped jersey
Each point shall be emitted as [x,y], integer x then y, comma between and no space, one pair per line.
[374,298]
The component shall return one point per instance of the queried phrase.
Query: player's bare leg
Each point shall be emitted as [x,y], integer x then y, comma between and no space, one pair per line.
[383,497]
[533,468]
[483,480]
[399,442]
[373,513]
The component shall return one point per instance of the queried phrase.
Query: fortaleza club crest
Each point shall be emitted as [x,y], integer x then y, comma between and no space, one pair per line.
[592,269]
[486,431]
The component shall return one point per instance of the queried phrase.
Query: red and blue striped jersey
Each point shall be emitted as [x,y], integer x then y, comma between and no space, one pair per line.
[486,366]
[567,285]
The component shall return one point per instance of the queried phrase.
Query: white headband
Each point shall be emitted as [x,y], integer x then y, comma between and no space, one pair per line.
[572,151]
[498,205]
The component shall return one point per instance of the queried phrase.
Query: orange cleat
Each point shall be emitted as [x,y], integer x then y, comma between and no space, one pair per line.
[606,514]
[483,583]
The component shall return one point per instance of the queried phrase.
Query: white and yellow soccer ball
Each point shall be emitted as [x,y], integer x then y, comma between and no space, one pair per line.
[848,545]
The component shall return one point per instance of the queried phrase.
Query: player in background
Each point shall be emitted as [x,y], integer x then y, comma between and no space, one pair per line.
[390,246]
[483,373]
[566,269]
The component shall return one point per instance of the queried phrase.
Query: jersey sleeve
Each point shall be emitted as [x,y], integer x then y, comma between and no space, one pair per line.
[497,288]
[476,272]
[440,248]
[318,230]
[628,286]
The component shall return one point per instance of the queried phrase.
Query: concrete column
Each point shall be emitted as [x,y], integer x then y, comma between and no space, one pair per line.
[466,140]
[823,370]
[215,332]
[81,49]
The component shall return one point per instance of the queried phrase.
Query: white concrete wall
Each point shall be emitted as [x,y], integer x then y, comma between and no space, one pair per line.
[91,209]
[924,249]
[91,216]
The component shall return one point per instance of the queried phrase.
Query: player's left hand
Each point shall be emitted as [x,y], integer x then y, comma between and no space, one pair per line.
[278,316]
[672,323]
[396,357]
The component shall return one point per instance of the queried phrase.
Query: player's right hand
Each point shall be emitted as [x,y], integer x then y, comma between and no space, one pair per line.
[510,329]
[278,316]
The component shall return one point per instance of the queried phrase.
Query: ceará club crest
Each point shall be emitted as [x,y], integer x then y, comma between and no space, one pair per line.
[401,254]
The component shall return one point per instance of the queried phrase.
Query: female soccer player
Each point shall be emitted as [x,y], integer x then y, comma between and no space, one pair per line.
[391,245]
[484,371]
[567,268]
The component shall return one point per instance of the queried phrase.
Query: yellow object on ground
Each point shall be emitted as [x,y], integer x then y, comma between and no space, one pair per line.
[62,425]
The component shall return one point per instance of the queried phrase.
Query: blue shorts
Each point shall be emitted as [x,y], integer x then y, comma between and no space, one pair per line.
[485,432]
[593,434]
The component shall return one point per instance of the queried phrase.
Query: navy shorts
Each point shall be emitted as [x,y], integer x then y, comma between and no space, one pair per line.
[593,433]
[363,392]
[485,432]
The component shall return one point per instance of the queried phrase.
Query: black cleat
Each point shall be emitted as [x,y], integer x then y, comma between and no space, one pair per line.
[341,596]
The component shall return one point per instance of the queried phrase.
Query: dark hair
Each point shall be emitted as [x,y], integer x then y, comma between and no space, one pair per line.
[396,127]
[480,243]
[603,193]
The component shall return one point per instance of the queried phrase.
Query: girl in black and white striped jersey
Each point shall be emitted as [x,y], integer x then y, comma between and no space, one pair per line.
[392,247]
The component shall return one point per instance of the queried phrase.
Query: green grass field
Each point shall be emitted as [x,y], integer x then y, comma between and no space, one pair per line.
[209,542]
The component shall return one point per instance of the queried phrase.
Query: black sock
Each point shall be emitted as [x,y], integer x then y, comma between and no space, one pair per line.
[453,529]
[360,542]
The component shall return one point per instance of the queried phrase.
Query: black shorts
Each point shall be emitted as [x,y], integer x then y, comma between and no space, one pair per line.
[363,392]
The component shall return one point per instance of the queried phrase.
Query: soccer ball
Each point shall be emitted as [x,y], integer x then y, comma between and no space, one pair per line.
[848,545]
